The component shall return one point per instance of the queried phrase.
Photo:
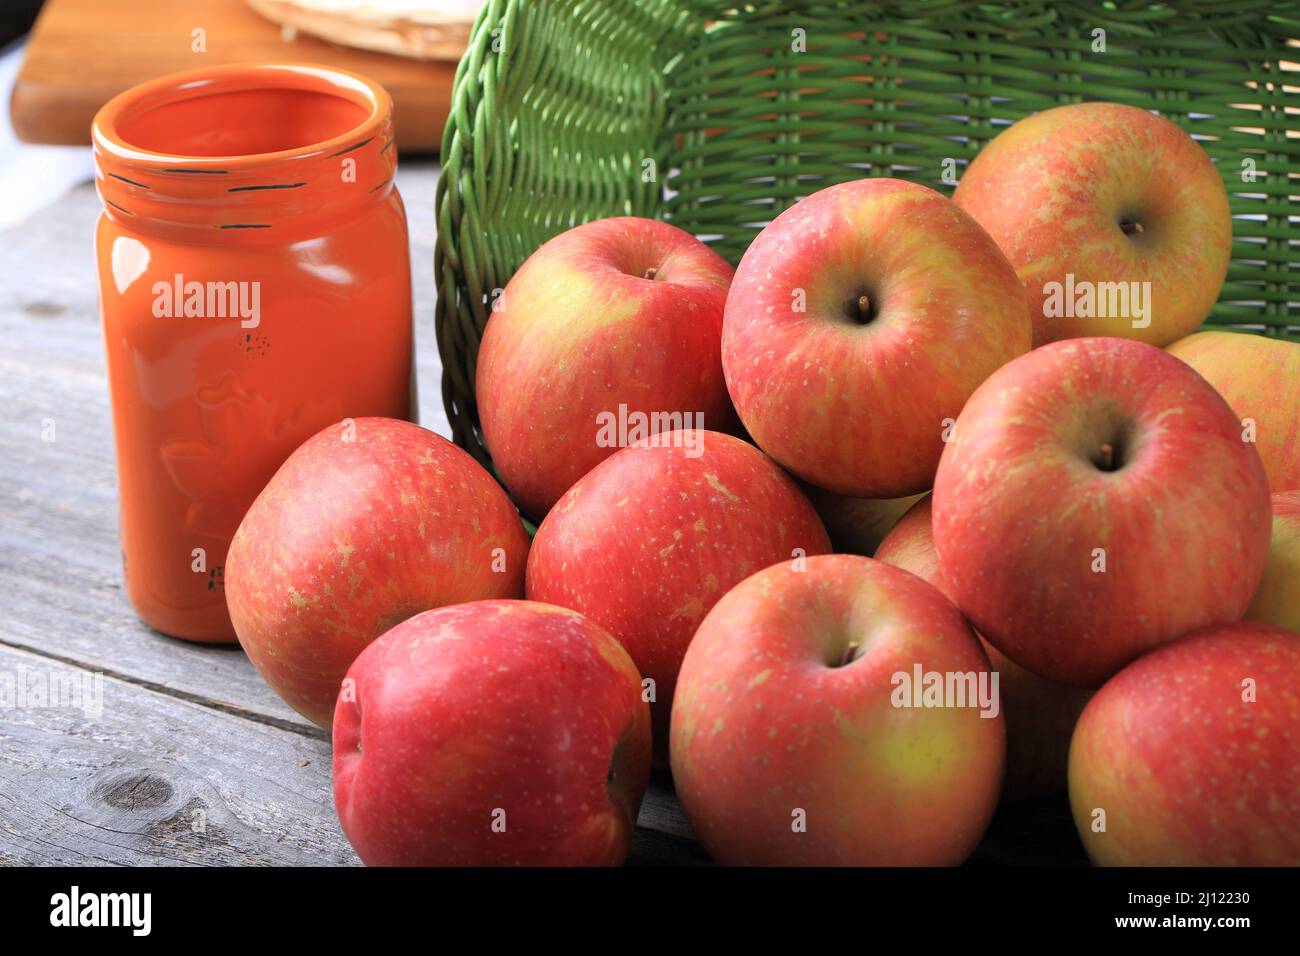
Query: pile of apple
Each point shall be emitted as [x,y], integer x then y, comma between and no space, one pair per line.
[1098,516]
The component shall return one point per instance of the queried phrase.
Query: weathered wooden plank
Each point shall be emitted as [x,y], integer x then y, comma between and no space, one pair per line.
[151,779]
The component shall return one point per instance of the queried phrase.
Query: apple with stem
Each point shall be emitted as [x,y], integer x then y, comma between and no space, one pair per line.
[799,738]
[1115,219]
[607,332]
[859,322]
[1097,500]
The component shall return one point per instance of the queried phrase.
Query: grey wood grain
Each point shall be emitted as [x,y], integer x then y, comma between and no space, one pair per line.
[151,779]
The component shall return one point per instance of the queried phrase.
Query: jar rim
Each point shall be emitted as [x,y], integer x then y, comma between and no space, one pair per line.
[245,77]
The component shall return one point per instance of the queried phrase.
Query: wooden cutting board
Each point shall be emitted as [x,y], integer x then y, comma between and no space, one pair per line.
[83,52]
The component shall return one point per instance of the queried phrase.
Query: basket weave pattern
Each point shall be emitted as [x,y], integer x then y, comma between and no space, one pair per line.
[718,116]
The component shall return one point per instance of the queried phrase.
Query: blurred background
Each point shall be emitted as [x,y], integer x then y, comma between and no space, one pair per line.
[60,60]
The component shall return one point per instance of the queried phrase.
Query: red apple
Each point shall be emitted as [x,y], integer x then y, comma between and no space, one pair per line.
[606,332]
[1040,714]
[1260,378]
[369,522]
[649,540]
[1115,219]
[1277,601]
[1191,755]
[796,738]
[493,733]
[1097,500]
[859,322]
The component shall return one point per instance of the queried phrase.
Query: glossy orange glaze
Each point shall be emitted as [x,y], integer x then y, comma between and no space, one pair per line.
[255,287]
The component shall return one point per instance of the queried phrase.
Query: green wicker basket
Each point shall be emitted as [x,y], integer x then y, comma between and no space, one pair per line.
[718,116]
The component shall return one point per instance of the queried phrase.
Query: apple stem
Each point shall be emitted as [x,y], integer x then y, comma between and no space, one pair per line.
[1107,462]
[651,272]
[850,653]
[1131,228]
[864,307]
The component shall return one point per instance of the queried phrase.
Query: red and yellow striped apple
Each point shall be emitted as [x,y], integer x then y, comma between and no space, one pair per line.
[367,523]
[1040,714]
[1097,500]
[1090,201]
[1260,378]
[614,323]
[1190,756]
[1277,601]
[858,323]
[493,733]
[649,539]
[791,743]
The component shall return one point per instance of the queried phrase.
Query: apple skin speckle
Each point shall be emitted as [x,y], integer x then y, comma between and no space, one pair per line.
[365,524]
[1191,752]
[786,704]
[1023,514]
[620,545]
[492,733]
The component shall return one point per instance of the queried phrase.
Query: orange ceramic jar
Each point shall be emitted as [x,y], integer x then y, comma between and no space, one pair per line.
[255,287]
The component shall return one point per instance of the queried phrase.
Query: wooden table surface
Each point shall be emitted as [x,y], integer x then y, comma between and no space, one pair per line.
[193,760]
